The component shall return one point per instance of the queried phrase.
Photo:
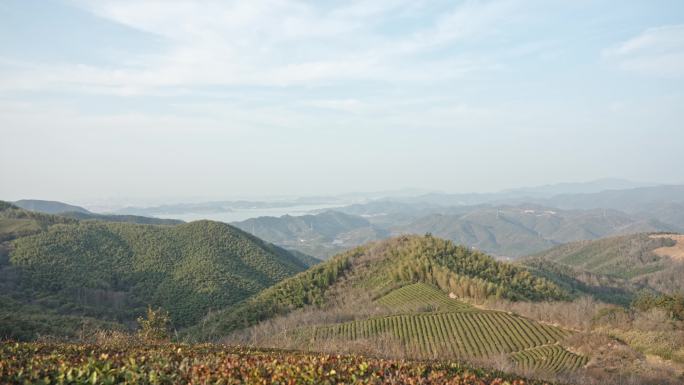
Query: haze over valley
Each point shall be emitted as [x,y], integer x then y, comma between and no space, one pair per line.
[444,192]
[508,224]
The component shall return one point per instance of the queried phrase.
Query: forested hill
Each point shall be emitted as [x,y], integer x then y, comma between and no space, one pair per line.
[58,267]
[121,218]
[16,222]
[49,207]
[624,256]
[630,262]
[378,268]
[322,235]
[77,212]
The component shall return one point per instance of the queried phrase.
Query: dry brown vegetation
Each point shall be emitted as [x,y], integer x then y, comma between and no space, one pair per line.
[675,251]
[614,362]
[624,346]
[576,315]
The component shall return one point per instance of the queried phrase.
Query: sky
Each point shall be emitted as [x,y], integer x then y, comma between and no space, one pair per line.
[141,99]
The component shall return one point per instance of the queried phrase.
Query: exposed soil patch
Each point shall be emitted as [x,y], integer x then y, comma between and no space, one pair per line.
[674,252]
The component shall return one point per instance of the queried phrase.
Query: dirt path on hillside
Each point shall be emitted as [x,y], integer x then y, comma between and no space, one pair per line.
[674,252]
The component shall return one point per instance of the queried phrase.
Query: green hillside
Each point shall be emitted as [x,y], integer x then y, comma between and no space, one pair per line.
[16,222]
[626,257]
[380,267]
[400,294]
[579,282]
[471,334]
[305,258]
[321,235]
[548,358]
[404,297]
[59,267]
[49,207]
[424,321]
[420,296]
[613,270]
[516,231]
[502,230]
[76,212]
[121,218]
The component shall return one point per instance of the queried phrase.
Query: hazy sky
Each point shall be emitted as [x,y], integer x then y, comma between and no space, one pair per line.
[233,98]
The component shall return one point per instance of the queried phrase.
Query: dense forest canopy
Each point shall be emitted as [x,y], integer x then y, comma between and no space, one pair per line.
[378,268]
[62,267]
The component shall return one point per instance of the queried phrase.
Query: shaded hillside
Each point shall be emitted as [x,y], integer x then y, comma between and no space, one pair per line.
[76,212]
[628,200]
[16,222]
[121,218]
[403,297]
[378,268]
[526,229]
[508,231]
[112,271]
[578,282]
[49,207]
[627,256]
[387,213]
[531,194]
[321,235]
[612,268]
[306,259]
[224,206]
[671,213]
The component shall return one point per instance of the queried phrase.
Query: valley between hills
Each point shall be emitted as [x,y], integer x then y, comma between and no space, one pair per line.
[371,192]
[593,310]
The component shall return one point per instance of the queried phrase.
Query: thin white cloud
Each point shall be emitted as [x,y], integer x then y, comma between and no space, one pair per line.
[273,43]
[474,20]
[656,51]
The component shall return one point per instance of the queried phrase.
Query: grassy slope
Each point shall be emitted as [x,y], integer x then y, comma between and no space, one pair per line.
[429,324]
[321,235]
[59,267]
[612,269]
[626,257]
[378,268]
[410,277]
[16,222]
[462,334]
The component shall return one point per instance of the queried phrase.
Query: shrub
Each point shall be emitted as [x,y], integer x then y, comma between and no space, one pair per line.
[155,326]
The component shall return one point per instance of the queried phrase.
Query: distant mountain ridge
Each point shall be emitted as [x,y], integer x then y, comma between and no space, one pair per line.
[77,212]
[221,206]
[593,186]
[321,235]
[629,200]
[49,207]
[525,229]
[535,194]
[509,231]
[122,218]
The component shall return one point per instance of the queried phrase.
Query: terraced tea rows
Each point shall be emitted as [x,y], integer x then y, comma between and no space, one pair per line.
[548,358]
[419,295]
[453,334]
